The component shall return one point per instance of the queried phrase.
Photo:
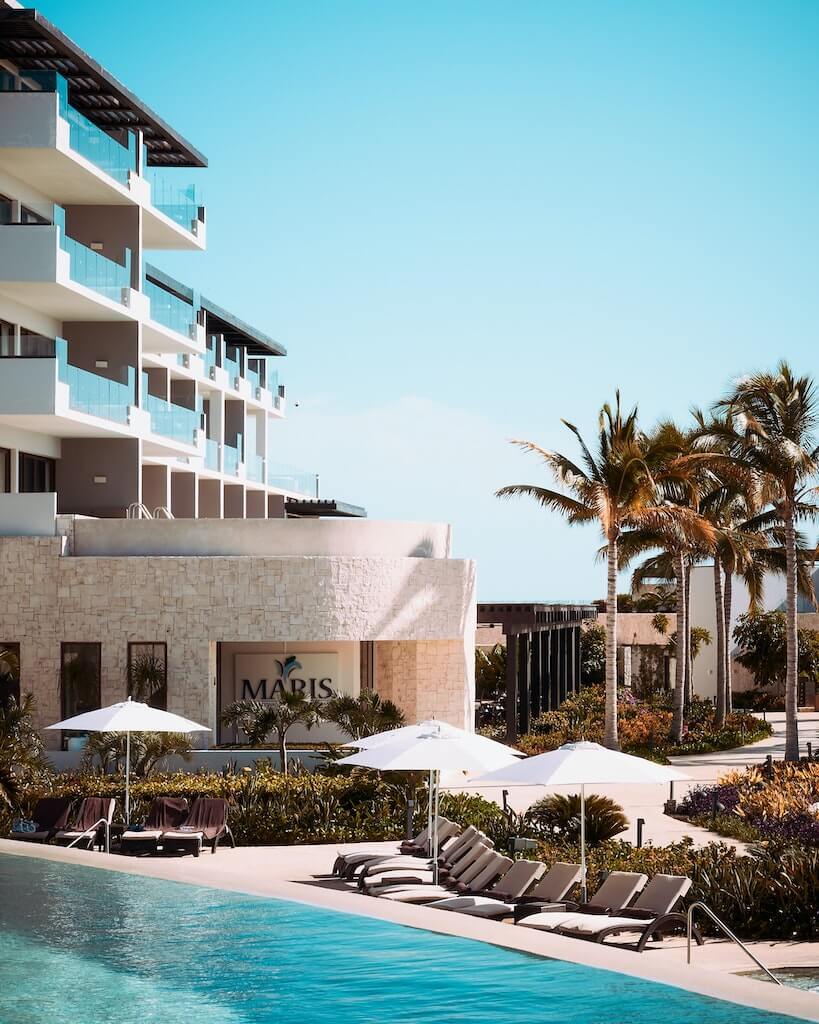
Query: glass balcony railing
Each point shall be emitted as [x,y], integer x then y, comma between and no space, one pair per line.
[170,420]
[231,368]
[209,359]
[180,203]
[92,394]
[92,269]
[289,478]
[212,454]
[118,161]
[254,377]
[255,469]
[169,310]
[230,460]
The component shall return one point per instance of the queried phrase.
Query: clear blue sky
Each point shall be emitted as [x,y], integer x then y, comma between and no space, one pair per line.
[467,220]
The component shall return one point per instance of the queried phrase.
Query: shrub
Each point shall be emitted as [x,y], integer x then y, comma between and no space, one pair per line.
[559,816]
[644,726]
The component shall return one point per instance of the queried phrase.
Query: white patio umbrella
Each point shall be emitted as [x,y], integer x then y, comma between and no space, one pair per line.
[405,732]
[580,764]
[435,748]
[129,716]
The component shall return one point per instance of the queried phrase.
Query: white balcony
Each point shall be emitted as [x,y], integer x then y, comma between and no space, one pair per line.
[42,268]
[55,149]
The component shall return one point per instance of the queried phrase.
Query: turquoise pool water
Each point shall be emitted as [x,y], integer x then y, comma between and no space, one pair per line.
[81,945]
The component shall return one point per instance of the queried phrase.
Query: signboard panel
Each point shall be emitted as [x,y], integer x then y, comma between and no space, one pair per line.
[264,677]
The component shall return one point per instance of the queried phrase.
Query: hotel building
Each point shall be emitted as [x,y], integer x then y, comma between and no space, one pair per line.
[137,427]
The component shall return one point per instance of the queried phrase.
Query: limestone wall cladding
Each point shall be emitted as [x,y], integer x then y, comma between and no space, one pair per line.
[193,602]
[428,679]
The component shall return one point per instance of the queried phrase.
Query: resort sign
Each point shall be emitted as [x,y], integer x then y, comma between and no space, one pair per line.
[264,677]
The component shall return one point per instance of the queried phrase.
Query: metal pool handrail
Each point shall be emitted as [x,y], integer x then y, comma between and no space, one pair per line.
[728,932]
[92,828]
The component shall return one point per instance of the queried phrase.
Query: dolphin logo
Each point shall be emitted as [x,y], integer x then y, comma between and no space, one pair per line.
[289,665]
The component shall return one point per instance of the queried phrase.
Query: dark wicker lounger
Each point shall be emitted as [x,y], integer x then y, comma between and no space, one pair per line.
[50,814]
[92,810]
[205,824]
[651,917]
[166,812]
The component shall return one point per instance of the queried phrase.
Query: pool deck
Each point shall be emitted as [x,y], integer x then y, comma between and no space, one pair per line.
[300,873]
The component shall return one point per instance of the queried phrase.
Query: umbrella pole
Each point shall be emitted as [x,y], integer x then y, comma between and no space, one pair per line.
[435,830]
[127,778]
[584,895]
[429,812]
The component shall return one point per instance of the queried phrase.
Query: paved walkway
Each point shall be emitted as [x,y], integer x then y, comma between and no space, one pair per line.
[647,802]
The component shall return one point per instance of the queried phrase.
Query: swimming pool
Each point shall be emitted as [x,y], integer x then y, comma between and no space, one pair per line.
[81,945]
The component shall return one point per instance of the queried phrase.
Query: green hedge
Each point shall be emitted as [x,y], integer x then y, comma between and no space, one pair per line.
[271,809]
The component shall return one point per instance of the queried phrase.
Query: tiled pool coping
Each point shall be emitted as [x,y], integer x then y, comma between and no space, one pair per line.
[288,873]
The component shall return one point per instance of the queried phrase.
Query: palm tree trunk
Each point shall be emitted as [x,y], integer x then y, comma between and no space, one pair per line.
[610,734]
[688,692]
[282,753]
[726,601]
[792,640]
[679,665]
[720,621]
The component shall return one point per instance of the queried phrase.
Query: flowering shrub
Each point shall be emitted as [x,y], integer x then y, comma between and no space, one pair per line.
[644,726]
[777,809]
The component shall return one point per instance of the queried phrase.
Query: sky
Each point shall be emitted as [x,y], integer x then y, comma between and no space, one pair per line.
[468,220]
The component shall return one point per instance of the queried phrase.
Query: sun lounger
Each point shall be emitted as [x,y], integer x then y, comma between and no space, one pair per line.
[449,838]
[166,812]
[482,873]
[499,900]
[206,823]
[451,852]
[651,916]
[618,890]
[50,815]
[93,810]
[417,846]
[457,872]
[417,870]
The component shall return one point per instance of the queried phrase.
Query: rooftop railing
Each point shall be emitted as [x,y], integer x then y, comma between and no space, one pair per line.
[116,160]
[289,478]
[92,394]
[92,269]
[169,310]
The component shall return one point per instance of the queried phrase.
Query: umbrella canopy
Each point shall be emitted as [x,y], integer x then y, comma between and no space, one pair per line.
[433,747]
[129,716]
[413,732]
[581,764]
[436,747]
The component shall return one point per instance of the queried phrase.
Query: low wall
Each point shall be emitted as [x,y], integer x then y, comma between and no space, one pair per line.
[291,537]
[28,515]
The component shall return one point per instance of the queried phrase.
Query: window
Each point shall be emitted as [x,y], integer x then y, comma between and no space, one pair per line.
[6,339]
[36,474]
[79,680]
[9,673]
[5,471]
[29,216]
[148,673]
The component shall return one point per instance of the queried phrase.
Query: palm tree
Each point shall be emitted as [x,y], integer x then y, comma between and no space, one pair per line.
[362,716]
[148,749]
[616,487]
[22,757]
[771,424]
[682,541]
[258,720]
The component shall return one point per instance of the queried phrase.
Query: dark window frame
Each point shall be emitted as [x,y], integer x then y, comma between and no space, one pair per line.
[49,473]
[160,698]
[5,477]
[65,711]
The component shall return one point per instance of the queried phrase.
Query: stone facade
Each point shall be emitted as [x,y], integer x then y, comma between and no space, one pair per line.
[423,609]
